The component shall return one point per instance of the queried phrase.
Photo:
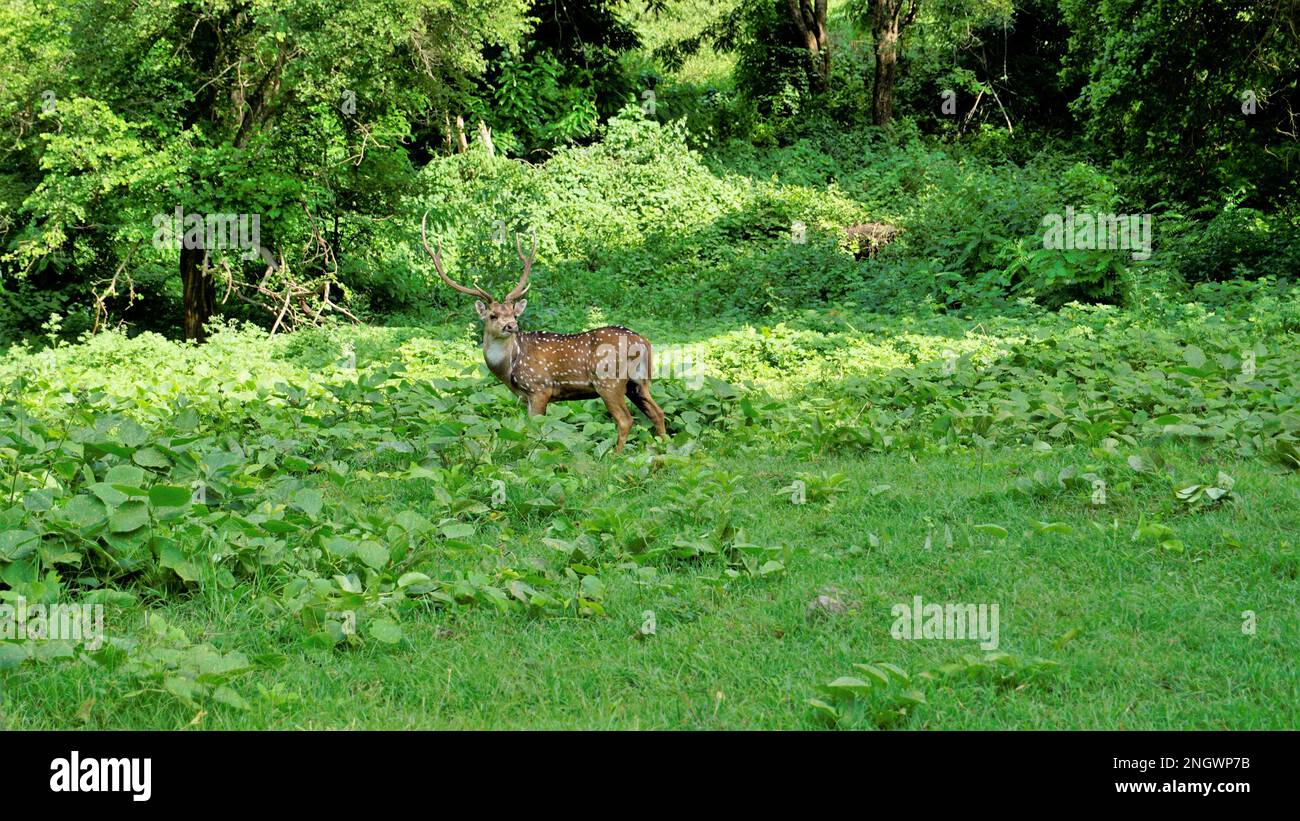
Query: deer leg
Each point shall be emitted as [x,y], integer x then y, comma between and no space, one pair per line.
[537,402]
[618,410]
[639,393]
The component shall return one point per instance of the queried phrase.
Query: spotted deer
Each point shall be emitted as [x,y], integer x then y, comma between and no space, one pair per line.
[543,367]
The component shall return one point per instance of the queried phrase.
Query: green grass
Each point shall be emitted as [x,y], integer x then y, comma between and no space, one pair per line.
[1159,641]
[1144,635]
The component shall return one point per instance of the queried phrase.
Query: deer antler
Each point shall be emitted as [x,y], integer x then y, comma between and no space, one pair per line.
[437,264]
[522,287]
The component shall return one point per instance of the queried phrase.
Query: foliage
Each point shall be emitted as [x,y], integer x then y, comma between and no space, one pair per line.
[240,466]
[162,492]
[130,116]
[567,76]
[1206,90]
[883,695]
[1230,243]
[533,107]
[642,219]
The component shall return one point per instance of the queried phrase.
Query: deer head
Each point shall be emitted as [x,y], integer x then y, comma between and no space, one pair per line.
[500,318]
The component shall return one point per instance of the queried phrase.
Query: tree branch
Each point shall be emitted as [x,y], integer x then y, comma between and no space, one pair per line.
[911,13]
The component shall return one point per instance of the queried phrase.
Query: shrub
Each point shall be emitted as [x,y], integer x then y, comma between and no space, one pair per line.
[1216,245]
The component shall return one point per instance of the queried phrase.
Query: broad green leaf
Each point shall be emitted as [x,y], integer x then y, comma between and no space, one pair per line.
[824,710]
[593,587]
[372,553]
[386,631]
[108,494]
[1062,528]
[309,501]
[458,530]
[873,672]
[183,688]
[169,496]
[150,458]
[130,516]
[913,697]
[17,544]
[1194,356]
[125,475]
[12,655]
[850,685]
[227,696]
[339,546]
[174,559]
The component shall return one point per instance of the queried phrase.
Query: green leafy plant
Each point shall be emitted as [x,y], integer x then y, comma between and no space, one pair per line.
[879,695]
[1204,496]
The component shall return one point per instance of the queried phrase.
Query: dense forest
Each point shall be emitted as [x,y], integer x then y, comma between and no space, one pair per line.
[981,301]
[337,127]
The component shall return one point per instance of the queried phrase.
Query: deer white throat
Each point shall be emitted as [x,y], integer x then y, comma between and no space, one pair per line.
[500,354]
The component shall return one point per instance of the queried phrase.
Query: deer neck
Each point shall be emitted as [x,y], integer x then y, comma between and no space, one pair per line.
[501,355]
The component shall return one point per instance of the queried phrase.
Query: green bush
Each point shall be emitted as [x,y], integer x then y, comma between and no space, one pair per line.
[1217,245]
[641,223]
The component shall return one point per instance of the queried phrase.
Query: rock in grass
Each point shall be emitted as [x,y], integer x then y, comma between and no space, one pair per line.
[826,605]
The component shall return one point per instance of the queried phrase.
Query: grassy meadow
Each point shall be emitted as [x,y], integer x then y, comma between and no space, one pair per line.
[502,570]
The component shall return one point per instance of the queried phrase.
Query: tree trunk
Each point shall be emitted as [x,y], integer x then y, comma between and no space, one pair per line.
[882,92]
[810,18]
[887,24]
[199,293]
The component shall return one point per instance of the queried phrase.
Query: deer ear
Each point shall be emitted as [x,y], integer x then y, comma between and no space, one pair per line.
[481,308]
[519,307]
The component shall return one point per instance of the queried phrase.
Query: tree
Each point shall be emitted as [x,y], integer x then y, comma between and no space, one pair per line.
[810,18]
[782,48]
[293,112]
[567,76]
[1200,97]
[887,24]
